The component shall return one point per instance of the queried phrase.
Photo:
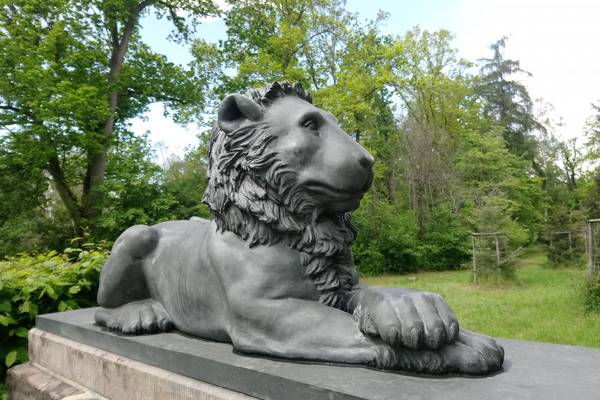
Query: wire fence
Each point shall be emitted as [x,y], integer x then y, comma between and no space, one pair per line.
[593,246]
[567,247]
[490,254]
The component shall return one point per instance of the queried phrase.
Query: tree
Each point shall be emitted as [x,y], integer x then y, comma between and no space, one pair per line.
[345,65]
[593,134]
[441,159]
[591,193]
[185,180]
[507,101]
[282,40]
[571,157]
[73,73]
[436,100]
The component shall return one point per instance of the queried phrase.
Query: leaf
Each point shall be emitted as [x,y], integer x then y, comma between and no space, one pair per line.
[33,311]
[5,306]
[62,306]
[6,320]
[21,332]
[50,292]
[23,354]
[11,358]
[74,289]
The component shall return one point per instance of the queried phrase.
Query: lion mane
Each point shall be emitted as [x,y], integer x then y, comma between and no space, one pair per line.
[254,194]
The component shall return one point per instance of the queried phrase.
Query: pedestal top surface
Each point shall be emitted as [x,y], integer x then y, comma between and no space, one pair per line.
[532,370]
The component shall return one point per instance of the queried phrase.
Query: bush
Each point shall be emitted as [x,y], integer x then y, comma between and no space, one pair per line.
[490,271]
[446,245]
[387,238]
[592,293]
[564,254]
[39,284]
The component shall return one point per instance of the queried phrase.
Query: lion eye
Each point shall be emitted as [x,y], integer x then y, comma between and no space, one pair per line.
[311,124]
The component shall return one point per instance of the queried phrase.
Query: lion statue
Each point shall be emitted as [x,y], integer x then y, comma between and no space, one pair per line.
[273,272]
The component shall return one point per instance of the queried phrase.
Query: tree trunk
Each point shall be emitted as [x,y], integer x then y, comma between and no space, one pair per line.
[65,193]
[96,168]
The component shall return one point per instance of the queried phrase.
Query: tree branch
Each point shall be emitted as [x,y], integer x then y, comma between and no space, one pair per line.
[10,108]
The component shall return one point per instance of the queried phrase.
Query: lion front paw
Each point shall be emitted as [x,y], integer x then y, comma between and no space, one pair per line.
[473,354]
[135,318]
[417,320]
[470,354]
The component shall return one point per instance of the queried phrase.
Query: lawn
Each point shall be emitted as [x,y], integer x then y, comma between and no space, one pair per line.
[543,304]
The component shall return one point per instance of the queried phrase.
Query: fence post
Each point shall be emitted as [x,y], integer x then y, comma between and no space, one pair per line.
[570,242]
[590,248]
[497,250]
[474,263]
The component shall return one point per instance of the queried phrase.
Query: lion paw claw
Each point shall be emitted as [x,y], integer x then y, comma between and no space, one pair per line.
[136,318]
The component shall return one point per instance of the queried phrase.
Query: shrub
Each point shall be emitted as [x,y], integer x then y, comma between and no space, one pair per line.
[592,293]
[563,253]
[446,245]
[39,284]
[490,271]
[387,238]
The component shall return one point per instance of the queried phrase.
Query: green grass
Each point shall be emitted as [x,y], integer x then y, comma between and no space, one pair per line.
[542,304]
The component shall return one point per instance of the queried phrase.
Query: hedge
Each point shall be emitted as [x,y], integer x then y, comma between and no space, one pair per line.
[39,284]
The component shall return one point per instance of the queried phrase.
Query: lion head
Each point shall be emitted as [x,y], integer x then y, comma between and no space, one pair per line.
[282,170]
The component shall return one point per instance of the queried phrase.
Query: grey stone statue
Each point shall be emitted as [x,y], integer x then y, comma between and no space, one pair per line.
[273,272]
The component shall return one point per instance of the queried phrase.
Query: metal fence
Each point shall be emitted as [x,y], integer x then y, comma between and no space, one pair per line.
[489,251]
[559,239]
[567,247]
[593,246]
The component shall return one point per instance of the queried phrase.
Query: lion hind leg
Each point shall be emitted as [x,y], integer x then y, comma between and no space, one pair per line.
[122,278]
[136,318]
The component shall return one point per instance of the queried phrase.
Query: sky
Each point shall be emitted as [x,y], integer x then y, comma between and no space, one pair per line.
[557,41]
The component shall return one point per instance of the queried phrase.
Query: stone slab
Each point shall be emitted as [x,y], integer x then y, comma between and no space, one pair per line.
[532,370]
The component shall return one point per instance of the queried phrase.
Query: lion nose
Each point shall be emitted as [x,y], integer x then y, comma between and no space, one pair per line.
[366,160]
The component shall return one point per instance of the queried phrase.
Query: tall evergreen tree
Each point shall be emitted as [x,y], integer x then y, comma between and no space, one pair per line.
[508,103]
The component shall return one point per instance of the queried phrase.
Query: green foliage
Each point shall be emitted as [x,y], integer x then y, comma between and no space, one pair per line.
[136,190]
[565,236]
[508,101]
[133,191]
[185,180]
[39,284]
[72,75]
[593,133]
[446,242]
[490,271]
[387,238]
[592,293]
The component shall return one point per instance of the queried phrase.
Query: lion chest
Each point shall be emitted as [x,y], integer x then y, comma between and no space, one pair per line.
[271,272]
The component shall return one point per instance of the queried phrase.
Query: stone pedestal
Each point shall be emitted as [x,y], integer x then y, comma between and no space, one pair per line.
[73,359]
[64,369]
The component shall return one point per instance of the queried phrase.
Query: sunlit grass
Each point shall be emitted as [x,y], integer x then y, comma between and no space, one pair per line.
[542,304]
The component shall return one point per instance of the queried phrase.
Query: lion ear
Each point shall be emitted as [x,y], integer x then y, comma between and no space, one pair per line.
[237,109]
